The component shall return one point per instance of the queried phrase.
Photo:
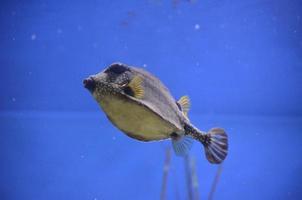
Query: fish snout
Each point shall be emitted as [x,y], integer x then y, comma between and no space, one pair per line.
[89,83]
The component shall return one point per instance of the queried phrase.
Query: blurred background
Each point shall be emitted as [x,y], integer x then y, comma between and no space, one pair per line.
[239,61]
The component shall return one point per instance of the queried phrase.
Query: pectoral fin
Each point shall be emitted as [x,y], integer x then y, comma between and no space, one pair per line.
[136,87]
[184,103]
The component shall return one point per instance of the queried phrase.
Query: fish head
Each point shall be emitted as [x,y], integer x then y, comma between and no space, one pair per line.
[110,81]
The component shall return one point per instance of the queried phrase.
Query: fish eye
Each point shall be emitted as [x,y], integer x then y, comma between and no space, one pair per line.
[117,68]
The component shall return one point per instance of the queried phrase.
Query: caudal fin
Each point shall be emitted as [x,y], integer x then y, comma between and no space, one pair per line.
[216,145]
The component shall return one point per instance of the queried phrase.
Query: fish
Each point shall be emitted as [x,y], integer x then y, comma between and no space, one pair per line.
[142,107]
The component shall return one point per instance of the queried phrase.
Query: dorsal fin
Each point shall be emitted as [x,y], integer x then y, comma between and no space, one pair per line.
[136,86]
[184,103]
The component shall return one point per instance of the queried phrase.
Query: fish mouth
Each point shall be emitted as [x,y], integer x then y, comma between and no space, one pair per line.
[89,83]
[94,84]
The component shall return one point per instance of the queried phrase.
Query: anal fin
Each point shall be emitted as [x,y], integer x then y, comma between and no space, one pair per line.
[182,145]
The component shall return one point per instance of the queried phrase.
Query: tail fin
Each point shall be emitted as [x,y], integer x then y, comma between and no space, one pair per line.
[216,145]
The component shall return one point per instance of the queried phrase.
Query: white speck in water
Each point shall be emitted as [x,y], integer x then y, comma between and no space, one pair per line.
[82,156]
[13,39]
[144,65]
[95,45]
[33,36]
[79,28]
[197,64]
[158,30]
[59,31]
[228,47]
[113,138]
[14,99]
[95,199]
[222,26]
[197,26]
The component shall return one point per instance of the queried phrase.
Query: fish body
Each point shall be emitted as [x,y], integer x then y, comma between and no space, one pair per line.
[139,104]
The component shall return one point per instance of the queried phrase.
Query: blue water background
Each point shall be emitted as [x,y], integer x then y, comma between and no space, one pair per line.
[239,61]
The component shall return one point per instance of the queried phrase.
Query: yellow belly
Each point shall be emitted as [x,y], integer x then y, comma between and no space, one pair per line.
[137,121]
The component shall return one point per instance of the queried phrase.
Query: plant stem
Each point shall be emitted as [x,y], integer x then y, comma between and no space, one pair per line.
[215,182]
[189,177]
[167,164]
